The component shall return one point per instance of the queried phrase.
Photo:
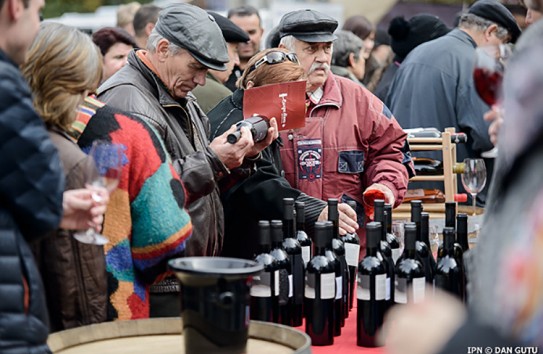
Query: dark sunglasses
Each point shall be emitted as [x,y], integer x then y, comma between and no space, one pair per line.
[274,58]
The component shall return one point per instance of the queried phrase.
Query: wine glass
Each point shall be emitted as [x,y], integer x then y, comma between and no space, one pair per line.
[105,165]
[474,178]
[490,61]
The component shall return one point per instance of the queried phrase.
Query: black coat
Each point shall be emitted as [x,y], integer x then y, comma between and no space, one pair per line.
[31,187]
[259,196]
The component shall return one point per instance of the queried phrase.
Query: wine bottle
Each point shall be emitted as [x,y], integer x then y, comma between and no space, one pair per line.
[301,235]
[391,238]
[265,288]
[422,248]
[283,264]
[338,305]
[294,252]
[456,138]
[450,214]
[425,166]
[462,231]
[385,252]
[410,277]
[339,249]
[449,273]
[371,290]
[320,294]
[352,253]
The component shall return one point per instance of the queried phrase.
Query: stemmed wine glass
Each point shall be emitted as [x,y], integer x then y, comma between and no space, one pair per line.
[490,61]
[105,165]
[474,178]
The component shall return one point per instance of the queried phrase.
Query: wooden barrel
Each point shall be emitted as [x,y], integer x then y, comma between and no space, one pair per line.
[163,336]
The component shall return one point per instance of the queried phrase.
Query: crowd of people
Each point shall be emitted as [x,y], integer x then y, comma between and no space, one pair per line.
[168,86]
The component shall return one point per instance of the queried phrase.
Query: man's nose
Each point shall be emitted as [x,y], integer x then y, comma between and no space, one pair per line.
[200,78]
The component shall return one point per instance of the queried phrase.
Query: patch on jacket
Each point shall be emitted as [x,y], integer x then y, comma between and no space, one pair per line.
[351,162]
[309,153]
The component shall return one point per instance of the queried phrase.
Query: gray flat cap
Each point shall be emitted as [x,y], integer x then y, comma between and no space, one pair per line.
[192,28]
[308,25]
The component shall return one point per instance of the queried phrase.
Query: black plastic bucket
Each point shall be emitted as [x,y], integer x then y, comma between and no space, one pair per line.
[215,300]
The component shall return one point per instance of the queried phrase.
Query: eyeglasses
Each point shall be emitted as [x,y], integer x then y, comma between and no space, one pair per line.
[274,58]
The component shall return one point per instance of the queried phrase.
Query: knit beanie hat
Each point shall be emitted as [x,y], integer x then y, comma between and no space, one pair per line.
[406,35]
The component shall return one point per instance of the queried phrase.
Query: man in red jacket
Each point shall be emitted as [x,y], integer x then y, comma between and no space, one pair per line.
[351,145]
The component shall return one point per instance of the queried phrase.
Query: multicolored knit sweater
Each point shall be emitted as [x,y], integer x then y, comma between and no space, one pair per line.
[145,222]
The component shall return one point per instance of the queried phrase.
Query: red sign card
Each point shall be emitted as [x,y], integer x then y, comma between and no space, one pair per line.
[285,102]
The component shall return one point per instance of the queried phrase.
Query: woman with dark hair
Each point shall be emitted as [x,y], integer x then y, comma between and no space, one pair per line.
[364,29]
[115,43]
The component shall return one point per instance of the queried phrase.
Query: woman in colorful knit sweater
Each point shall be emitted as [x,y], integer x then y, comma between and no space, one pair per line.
[145,222]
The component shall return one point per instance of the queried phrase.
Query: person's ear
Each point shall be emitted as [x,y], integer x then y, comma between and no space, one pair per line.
[492,29]
[15,9]
[162,49]
[352,60]
[148,28]
[250,84]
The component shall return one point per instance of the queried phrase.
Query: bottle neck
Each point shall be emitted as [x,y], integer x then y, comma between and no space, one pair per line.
[425,231]
[288,228]
[300,225]
[320,250]
[448,243]
[264,248]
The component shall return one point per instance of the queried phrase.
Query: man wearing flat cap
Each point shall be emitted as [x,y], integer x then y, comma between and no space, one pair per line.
[350,145]
[215,90]
[156,86]
[434,86]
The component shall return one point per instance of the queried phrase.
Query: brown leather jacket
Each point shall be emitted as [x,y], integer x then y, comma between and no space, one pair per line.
[184,129]
[73,273]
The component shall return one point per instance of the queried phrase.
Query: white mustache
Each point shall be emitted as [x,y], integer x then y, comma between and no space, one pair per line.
[316,66]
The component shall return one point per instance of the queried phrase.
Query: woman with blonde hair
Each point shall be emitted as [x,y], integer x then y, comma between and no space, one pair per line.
[62,66]
[259,196]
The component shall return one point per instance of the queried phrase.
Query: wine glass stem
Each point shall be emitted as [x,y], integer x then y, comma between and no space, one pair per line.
[474,202]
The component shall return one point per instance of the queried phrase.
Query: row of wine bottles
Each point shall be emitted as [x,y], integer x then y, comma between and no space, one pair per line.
[415,274]
[318,279]
[286,291]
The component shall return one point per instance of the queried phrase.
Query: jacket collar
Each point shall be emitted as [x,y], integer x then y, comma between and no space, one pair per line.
[332,93]
[164,97]
[5,58]
[463,36]
[237,99]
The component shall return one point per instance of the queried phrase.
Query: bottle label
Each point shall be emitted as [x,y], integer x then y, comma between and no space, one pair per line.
[284,287]
[290,286]
[363,291]
[400,291]
[261,285]
[276,282]
[327,286]
[339,287]
[387,286]
[306,251]
[419,289]
[351,254]
[396,253]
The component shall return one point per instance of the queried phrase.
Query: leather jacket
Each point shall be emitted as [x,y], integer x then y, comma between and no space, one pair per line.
[184,129]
